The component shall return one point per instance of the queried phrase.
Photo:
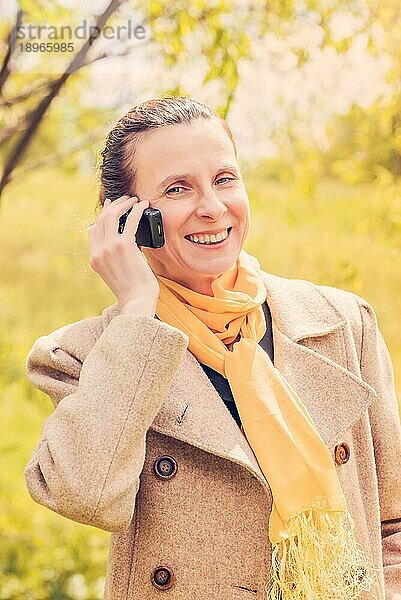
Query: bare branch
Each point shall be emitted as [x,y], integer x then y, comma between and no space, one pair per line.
[125,52]
[7,132]
[44,86]
[79,59]
[33,89]
[56,157]
[54,88]
[11,45]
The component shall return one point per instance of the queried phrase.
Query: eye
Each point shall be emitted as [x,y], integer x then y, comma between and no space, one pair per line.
[176,187]
[229,178]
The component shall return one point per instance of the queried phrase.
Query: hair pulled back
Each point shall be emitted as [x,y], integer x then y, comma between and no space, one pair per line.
[117,167]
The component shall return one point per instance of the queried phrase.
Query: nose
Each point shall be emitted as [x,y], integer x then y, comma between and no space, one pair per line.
[210,205]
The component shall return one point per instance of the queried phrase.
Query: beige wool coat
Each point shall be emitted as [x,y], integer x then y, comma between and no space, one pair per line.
[140,444]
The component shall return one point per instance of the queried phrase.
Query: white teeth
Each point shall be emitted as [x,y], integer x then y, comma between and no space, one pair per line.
[209,239]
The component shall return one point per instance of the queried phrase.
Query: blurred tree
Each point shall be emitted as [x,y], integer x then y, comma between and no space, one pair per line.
[20,134]
[367,139]
[386,15]
[222,32]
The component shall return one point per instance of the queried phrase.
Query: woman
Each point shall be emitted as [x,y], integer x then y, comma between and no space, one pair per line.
[220,474]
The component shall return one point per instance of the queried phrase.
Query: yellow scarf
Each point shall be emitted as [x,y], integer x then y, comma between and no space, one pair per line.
[314,552]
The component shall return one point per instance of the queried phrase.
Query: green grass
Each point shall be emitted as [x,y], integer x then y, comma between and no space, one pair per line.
[342,236]
[338,237]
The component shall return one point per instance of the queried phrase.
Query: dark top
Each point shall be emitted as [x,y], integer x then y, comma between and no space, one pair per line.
[221,383]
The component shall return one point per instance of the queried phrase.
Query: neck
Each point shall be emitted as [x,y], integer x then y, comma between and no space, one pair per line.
[202,288]
[201,285]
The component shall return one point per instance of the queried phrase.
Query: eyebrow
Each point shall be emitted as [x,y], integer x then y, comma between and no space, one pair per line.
[189,175]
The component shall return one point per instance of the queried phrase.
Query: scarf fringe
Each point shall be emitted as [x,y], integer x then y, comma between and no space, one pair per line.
[320,560]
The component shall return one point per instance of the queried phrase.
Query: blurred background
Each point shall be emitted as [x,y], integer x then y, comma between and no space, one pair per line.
[312,92]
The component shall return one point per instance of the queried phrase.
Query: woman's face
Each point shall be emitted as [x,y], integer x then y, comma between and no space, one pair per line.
[190,173]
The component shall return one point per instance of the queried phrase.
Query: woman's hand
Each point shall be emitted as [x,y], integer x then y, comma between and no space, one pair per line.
[117,258]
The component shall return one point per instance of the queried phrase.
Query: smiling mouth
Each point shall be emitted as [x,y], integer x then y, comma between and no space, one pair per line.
[209,240]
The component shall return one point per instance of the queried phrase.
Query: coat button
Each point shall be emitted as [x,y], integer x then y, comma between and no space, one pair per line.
[162,577]
[165,467]
[341,453]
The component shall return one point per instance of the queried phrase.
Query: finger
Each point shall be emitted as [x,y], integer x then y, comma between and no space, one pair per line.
[112,216]
[96,233]
[132,222]
[120,199]
[99,232]
[90,233]
[95,237]
[109,201]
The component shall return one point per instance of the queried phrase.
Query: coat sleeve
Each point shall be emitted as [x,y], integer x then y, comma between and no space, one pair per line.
[377,370]
[87,463]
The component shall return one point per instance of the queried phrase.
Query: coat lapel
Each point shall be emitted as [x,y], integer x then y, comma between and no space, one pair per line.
[314,340]
[335,397]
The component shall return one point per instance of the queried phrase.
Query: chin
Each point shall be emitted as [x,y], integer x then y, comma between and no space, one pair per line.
[213,268]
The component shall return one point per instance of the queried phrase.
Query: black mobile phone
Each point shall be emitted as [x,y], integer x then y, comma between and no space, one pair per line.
[150,232]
